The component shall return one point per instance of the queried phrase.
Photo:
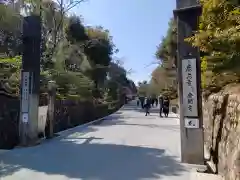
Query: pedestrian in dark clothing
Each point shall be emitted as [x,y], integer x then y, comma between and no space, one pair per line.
[161,105]
[138,102]
[152,101]
[147,106]
[156,102]
[166,103]
[141,101]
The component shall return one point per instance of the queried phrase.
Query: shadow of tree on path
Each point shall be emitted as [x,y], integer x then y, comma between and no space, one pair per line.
[76,157]
[119,121]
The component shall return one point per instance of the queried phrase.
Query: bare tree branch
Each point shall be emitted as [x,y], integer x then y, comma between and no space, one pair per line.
[72,5]
[152,63]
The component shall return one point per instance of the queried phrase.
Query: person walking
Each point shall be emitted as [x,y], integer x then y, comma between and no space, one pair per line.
[161,105]
[152,101]
[166,103]
[156,102]
[147,106]
[142,99]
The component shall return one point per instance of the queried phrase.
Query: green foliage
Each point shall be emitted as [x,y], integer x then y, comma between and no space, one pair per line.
[166,51]
[75,31]
[118,81]
[78,58]
[164,77]
[143,89]
[10,74]
[10,32]
[112,90]
[219,40]
[71,83]
[99,50]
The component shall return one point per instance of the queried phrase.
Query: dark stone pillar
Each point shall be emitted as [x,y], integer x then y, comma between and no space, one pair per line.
[30,80]
[192,145]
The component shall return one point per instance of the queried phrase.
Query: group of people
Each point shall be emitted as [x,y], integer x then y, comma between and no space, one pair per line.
[148,102]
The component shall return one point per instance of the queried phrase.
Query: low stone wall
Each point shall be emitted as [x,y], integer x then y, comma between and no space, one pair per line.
[221,115]
[67,114]
[9,118]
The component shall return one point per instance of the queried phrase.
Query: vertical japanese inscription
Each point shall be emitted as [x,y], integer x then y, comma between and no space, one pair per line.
[189,71]
[25,91]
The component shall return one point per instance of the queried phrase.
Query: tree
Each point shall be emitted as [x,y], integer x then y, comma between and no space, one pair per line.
[10,31]
[164,77]
[10,68]
[97,46]
[77,57]
[143,88]
[99,50]
[117,80]
[75,31]
[218,39]
[166,51]
[54,20]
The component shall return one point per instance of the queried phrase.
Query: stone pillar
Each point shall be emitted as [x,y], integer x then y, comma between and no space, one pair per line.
[28,124]
[192,145]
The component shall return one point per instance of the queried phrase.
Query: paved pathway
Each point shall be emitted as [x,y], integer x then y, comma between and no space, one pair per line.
[126,146]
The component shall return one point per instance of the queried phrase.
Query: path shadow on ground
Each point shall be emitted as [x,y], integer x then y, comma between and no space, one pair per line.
[81,129]
[119,120]
[74,157]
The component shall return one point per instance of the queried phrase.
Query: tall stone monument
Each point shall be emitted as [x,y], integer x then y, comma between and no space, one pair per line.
[30,80]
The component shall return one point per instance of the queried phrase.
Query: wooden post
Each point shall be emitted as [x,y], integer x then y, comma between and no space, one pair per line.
[51,103]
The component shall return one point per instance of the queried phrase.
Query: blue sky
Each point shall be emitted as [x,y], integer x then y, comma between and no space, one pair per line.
[137,27]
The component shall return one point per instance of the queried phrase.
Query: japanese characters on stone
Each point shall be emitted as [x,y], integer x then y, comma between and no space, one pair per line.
[189,83]
[189,87]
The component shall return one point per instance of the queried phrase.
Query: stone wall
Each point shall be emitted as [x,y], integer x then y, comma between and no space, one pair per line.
[221,112]
[9,118]
[67,114]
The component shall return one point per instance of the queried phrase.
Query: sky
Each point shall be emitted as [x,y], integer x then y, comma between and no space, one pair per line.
[137,27]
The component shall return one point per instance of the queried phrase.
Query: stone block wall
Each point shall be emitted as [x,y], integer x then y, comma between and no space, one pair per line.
[9,118]
[221,116]
[68,114]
